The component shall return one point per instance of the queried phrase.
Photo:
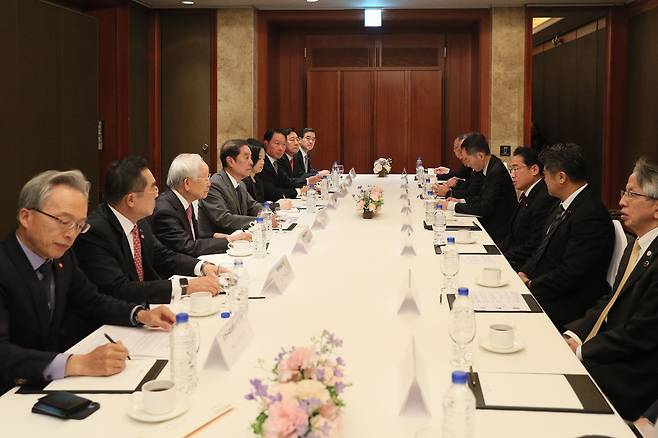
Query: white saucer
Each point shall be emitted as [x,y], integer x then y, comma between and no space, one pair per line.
[214,309]
[484,343]
[503,282]
[234,254]
[182,405]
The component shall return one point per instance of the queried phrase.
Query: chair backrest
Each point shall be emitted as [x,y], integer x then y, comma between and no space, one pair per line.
[620,244]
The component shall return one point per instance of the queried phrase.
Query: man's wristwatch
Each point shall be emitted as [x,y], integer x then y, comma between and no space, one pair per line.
[138,309]
[205,264]
[183,285]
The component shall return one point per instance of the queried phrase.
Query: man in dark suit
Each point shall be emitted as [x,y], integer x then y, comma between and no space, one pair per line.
[496,200]
[228,206]
[454,178]
[120,253]
[567,272]
[462,183]
[290,163]
[307,143]
[617,339]
[41,285]
[174,221]
[275,181]
[528,224]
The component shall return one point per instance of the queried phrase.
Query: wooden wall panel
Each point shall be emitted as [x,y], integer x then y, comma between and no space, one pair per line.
[390,125]
[291,101]
[323,114]
[357,135]
[425,121]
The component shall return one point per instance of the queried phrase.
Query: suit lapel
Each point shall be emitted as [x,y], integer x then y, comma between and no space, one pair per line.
[123,243]
[230,190]
[643,263]
[37,293]
[177,205]
[61,287]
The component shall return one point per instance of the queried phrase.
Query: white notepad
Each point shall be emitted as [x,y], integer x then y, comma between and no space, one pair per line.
[126,380]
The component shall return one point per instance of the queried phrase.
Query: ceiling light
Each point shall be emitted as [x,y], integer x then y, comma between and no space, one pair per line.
[187,2]
[311,1]
[373,17]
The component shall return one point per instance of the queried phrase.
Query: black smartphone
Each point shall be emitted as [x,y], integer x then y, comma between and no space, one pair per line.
[65,405]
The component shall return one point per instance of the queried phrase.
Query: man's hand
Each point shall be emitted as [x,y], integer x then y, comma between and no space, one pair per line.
[524,278]
[161,317]
[210,270]
[314,179]
[203,284]
[452,181]
[220,236]
[572,343]
[440,189]
[441,170]
[245,235]
[105,360]
[323,173]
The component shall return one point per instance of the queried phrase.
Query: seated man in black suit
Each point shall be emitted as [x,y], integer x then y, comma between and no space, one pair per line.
[276,183]
[228,206]
[120,253]
[462,183]
[617,339]
[41,285]
[496,200]
[567,272]
[290,162]
[174,222]
[528,224]
[306,145]
[454,176]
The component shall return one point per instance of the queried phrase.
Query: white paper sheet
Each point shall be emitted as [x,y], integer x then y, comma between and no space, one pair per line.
[126,380]
[140,342]
[470,248]
[503,300]
[528,390]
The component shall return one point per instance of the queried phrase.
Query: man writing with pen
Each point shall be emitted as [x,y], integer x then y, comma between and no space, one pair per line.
[42,286]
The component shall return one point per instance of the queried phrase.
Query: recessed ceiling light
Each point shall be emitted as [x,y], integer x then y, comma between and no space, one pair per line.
[311,1]
[373,17]
[187,2]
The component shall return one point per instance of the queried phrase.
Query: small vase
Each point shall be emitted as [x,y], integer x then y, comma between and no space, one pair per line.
[382,174]
[368,214]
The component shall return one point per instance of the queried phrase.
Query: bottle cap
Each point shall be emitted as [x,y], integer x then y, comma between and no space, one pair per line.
[267,204]
[238,263]
[451,239]
[182,318]
[462,291]
[259,220]
[459,377]
[439,207]
[225,315]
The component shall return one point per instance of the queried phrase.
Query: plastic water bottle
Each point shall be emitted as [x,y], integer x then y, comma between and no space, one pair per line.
[459,408]
[419,166]
[239,292]
[183,343]
[267,218]
[260,238]
[462,329]
[324,188]
[428,186]
[310,199]
[439,226]
[430,203]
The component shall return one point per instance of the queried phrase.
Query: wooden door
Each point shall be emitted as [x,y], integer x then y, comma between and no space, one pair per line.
[425,118]
[391,117]
[323,114]
[357,120]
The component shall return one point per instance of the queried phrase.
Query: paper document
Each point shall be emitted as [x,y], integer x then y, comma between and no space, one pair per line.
[459,221]
[508,301]
[140,342]
[471,248]
[126,380]
[551,391]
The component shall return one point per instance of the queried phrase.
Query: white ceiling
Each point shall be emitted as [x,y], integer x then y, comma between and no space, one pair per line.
[357,4]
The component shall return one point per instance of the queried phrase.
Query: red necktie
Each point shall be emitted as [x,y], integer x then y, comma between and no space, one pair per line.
[292,165]
[137,246]
[188,213]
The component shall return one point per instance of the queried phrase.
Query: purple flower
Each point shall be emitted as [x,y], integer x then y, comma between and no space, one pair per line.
[338,373]
[249,396]
[259,388]
[326,429]
[340,361]
[339,387]
[319,374]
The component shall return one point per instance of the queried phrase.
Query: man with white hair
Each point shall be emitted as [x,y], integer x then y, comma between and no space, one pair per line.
[617,339]
[42,287]
[174,222]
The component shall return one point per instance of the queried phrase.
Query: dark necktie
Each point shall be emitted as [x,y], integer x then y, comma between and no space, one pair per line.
[544,243]
[276,167]
[522,198]
[48,283]
[556,220]
[239,196]
[292,165]
[137,257]
[189,213]
[306,163]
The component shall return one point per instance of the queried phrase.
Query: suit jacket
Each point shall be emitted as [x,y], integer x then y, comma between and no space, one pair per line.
[469,188]
[464,172]
[495,202]
[296,174]
[221,211]
[528,225]
[172,228]
[255,188]
[623,356]
[300,158]
[276,185]
[29,338]
[106,258]
[569,274]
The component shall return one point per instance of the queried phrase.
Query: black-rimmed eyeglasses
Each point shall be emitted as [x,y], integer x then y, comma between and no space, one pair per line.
[80,227]
[632,195]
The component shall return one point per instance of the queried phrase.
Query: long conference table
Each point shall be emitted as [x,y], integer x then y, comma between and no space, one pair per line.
[349,283]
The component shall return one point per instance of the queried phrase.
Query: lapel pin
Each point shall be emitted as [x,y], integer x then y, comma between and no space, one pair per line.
[60,265]
[646,263]
[649,253]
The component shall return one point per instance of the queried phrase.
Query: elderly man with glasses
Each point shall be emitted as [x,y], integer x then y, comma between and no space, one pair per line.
[42,287]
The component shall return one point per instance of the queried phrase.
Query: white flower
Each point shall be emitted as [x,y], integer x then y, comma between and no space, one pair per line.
[377,168]
[307,389]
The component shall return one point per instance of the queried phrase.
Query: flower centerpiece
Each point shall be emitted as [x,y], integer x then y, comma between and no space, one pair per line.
[369,200]
[382,166]
[303,396]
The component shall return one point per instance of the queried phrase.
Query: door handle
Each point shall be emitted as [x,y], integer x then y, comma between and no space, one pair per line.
[204,148]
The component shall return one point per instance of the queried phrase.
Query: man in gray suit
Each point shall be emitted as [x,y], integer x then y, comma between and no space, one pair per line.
[228,206]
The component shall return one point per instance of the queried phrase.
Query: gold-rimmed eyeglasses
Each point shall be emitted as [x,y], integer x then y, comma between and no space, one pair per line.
[632,195]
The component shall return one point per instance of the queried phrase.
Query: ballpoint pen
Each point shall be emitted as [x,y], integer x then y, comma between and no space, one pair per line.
[112,341]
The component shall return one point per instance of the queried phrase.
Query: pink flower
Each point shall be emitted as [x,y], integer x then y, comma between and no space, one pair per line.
[301,359]
[285,419]
[377,168]
[329,411]
[359,205]
[328,428]
[374,196]
[372,206]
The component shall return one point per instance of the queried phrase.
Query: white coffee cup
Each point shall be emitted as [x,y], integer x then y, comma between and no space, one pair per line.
[157,397]
[464,236]
[501,336]
[240,247]
[200,302]
[490,275]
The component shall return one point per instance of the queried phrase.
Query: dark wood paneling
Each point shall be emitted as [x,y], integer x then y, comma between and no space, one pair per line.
[425,121]
[390,127]
[186,48]
[323,107]
[642,90]
[357,135]
[291,89]
[139,76]
[641,6]
[154,97]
